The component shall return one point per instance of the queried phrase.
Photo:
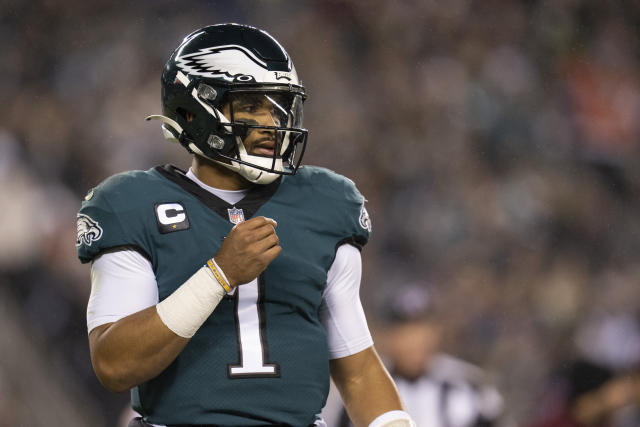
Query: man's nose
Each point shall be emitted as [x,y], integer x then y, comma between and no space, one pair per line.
[268,119]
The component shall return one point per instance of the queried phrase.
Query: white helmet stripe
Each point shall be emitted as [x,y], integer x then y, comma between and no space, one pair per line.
[182,78]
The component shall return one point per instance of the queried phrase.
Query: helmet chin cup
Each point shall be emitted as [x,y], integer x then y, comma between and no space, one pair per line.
[248,170]
[257,176]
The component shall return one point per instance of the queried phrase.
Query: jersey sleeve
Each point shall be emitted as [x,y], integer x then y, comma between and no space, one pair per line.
[358,222]
[342,207]
[110,218]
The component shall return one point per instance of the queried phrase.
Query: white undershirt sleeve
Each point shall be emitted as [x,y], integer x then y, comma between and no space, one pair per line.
[341,311]
[122,283]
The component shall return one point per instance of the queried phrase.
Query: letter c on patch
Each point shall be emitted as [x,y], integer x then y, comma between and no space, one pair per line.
[170,213]
[171,217]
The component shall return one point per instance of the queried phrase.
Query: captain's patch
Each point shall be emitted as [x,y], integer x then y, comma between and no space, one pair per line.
[89,230]
[171,217]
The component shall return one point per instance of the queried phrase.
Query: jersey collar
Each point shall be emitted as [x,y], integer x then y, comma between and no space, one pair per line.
[257,195]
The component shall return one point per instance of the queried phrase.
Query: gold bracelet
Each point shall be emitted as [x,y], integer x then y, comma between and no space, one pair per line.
[218,276]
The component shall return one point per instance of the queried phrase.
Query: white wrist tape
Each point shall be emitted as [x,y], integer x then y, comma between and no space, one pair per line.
[186,309]
[393,419]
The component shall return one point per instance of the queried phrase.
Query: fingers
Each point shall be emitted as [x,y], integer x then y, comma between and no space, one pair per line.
[254,230]
[264,232]
[248,249]
[266,242]
[270,254]
[256,222]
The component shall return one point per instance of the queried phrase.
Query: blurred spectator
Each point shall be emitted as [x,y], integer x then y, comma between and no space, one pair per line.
[586,394]
[600,387]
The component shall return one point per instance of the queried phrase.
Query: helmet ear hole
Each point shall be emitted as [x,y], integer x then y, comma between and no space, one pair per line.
[188,116]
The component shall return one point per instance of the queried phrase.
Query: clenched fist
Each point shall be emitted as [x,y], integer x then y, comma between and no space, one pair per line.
[248,249]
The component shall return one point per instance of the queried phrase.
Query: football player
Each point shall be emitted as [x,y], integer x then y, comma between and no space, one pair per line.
[226,295]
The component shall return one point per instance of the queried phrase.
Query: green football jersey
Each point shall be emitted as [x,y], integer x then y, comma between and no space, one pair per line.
[261,357]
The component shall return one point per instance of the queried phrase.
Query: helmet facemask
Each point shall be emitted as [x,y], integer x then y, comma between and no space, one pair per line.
[266,127]
[254,131]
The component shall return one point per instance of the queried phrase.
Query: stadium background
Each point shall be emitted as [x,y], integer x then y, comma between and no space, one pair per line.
[496,141]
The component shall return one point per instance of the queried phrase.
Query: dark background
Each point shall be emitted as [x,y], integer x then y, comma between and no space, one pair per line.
[496,142]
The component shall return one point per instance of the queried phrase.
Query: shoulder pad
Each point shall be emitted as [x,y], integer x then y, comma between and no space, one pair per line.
[108,216]
[338,200]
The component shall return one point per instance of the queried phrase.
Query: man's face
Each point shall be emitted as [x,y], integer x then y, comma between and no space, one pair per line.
[411,345]
[259,110]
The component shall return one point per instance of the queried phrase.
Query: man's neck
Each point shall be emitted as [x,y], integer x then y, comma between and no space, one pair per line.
[217,176]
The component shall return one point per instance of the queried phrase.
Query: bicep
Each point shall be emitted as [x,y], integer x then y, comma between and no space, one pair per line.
[122,283]
[341,312]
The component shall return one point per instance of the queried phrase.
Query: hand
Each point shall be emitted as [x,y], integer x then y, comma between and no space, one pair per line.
[248,249]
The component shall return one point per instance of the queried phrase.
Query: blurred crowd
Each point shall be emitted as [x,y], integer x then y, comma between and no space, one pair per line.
[497,143]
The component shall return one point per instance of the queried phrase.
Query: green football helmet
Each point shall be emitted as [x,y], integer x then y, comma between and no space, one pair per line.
[215,70]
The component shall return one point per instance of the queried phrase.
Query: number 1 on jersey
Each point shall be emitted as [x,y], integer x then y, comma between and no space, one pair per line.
[252,333]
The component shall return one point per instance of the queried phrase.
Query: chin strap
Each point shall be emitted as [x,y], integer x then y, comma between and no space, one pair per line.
[173,132]
[170,128]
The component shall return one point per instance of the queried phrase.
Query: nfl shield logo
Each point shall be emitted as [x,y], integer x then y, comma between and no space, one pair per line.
[236,216]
